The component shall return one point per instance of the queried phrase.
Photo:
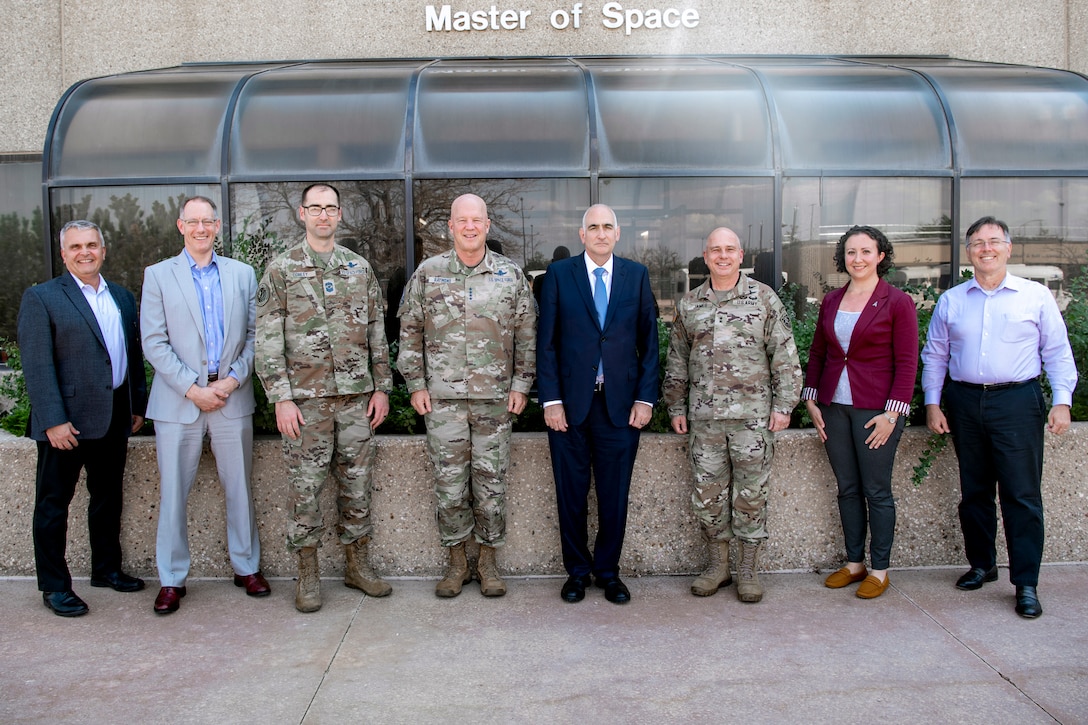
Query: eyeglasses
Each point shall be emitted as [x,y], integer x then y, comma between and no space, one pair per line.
[315,210]
[196,223]
[984,243]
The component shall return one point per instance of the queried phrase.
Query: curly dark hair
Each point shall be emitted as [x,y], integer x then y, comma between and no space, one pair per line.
[882,245]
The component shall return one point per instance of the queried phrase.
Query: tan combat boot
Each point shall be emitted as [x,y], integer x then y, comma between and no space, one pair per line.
[748,586]
[357,571]
[457,575]
[491,585]
[717,571]
[308,589]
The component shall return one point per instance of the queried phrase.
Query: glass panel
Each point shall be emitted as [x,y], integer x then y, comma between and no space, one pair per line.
[151,125]
[914,213]
[327,117]
[658,114]
[1016,117]
[21,245]
[1048,222]
[266,222]
[478,117]
[139,224]
[530,218]
[857,117]
[664,224]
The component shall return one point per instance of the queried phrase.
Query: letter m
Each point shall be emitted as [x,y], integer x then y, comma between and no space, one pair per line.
[439,20]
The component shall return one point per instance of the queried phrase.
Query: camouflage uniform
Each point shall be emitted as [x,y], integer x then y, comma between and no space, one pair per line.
[730,364]
[468,335]
[321,343]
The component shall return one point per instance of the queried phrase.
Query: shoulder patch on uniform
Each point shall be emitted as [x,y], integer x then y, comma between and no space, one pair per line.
[262,294]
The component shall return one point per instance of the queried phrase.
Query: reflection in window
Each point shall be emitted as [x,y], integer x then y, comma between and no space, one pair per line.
[530,218]
[1048,222]
[915,214]
[664,224]
[138,223]
[265,221]
[20,236]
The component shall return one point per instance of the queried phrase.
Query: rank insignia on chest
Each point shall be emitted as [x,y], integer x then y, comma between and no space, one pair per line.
[330,287]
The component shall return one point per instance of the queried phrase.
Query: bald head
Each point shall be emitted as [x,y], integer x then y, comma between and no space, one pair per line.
[723,255]
[469,226]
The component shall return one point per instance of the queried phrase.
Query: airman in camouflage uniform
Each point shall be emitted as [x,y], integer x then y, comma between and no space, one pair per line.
[733,375]
[468,354]
[322,355]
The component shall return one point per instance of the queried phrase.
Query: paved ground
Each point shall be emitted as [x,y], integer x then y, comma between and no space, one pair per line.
[923,653]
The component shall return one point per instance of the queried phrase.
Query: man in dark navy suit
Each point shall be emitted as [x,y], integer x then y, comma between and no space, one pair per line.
[597,372]
[80,344]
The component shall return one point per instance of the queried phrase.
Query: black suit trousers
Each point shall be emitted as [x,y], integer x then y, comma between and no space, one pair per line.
[58,472]
[608,451]
[998,436]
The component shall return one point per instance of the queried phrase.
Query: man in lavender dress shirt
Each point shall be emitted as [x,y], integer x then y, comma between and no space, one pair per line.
[991,337]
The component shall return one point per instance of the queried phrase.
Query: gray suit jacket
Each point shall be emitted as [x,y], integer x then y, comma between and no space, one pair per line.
[173,333]
[67,368]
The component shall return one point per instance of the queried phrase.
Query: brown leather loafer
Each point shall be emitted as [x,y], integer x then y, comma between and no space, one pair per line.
[843,577]
[872,587]
[256,585]
[169,599]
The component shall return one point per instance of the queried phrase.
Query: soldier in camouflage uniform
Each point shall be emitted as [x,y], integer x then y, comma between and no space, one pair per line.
[322,355]
[733,376]
[468,354]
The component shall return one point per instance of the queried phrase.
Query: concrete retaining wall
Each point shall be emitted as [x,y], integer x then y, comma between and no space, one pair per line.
[662,536]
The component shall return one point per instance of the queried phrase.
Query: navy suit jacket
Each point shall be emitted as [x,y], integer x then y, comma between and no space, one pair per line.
[570,342]
[67,368]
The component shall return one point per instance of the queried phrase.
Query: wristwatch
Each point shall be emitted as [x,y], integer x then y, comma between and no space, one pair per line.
[891,418]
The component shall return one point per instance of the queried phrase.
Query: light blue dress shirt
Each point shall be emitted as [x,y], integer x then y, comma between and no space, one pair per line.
[108,315]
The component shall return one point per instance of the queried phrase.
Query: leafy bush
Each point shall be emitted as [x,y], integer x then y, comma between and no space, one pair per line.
[13,388]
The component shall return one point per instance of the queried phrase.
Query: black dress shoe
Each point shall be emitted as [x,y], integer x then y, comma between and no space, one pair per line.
[975,578]
[65,604]
[615,591]
[1027,602]
[574,590]
[118,581]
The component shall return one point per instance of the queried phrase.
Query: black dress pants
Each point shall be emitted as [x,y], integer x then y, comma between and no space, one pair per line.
[57,475]
[998,435]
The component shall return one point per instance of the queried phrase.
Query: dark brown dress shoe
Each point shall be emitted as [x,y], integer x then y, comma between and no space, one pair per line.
[574,590]
[65,604]
[1027,602]
[256,585]
[975,578]
[615,590]
[118,581]
[169,599]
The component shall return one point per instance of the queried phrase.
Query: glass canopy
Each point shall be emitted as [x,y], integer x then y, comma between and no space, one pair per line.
[786,150]
[569,116]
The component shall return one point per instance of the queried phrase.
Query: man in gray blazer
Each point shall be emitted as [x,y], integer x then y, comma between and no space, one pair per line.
[84,374]
[198,318]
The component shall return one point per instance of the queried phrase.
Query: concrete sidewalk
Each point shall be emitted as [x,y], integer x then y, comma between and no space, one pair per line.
[924,652]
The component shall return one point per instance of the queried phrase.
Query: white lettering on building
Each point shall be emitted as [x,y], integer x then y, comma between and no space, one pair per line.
[652,19]
[445,19]
[614,16]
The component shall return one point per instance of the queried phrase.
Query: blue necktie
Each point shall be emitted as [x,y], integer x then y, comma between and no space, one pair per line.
[600,301]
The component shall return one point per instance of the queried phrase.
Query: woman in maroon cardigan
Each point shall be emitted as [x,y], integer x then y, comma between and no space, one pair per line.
[858,387]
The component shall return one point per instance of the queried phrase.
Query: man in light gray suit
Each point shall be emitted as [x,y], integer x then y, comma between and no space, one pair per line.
[198,320]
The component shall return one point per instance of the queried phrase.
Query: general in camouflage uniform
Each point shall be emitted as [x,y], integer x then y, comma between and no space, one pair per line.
[733,376]
[467,352]
[322,355]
